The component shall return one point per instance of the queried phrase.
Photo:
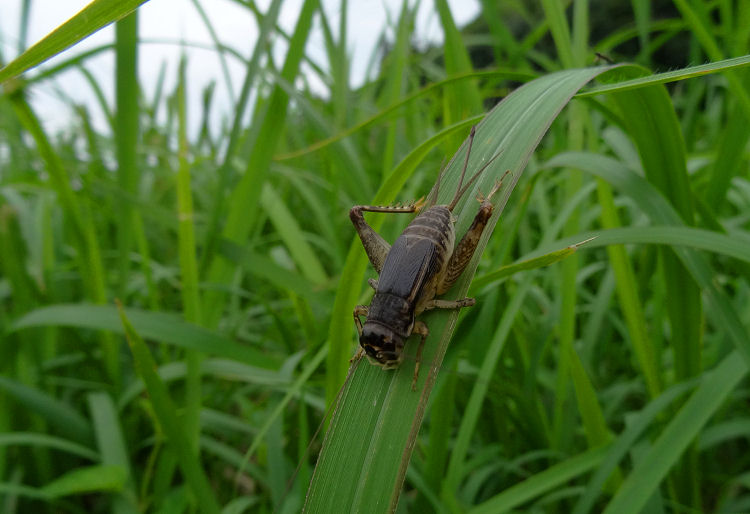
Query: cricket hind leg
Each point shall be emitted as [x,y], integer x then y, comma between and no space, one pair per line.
[449,304]
[465,249]
[375,246]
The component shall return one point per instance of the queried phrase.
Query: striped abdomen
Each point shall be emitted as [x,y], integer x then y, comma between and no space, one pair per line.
[435,225]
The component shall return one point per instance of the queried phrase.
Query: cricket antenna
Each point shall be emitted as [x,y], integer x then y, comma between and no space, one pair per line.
[433,197]
[461,190]
[457,196]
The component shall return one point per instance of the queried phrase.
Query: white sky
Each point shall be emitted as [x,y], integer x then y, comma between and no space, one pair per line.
[164,24]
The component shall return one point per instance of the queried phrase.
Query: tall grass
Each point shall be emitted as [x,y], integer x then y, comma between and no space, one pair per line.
[605,376]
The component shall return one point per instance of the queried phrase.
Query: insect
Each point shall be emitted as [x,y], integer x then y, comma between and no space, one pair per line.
[421,265]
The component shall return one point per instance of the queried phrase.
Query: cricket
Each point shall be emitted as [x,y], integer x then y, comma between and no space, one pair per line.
[422,264]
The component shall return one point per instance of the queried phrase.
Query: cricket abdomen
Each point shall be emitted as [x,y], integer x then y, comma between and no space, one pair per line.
[435,225]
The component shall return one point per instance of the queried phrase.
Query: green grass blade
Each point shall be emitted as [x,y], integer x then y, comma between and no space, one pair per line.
[113,449]
[291,234]
[541,483]
[666,77]
[624,443]
[225,170]
[48,441]
[730,245]
[59,414]
[525,265]
[191,300]
[165,328]
[677,436]
[653,204]
[96,15]
[369,442]
[473,410]
[244,200]
[394,80]
[177,436]
[461,99]
[86,480]
[699,24]
[629,298]
[127,131]
[554,11]
[426,91]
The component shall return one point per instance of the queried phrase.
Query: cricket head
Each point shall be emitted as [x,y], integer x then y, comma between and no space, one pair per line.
[382,345]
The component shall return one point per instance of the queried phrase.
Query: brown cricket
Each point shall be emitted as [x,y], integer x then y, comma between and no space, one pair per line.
[421,265]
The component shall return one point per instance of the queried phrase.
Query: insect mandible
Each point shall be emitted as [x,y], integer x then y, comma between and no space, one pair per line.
[421,265]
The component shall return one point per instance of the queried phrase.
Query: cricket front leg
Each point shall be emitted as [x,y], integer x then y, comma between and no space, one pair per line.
[360,310]
[375,246]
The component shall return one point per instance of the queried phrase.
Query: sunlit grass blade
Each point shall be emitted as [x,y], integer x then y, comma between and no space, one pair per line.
[91,18]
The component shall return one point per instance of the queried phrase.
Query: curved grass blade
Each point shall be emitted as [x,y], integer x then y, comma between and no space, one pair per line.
[169,329]
[527,264]
[96,15]
[654,205]
[701,239]
[542,482]
[677,436]
[668,76]
[165,411]
[370,439]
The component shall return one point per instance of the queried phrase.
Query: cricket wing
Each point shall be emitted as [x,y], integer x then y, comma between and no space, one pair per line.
[409,265]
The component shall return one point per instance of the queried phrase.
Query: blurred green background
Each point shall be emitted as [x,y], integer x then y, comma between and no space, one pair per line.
[611,378]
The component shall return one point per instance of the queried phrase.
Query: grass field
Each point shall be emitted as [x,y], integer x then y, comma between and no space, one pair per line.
[176,312]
